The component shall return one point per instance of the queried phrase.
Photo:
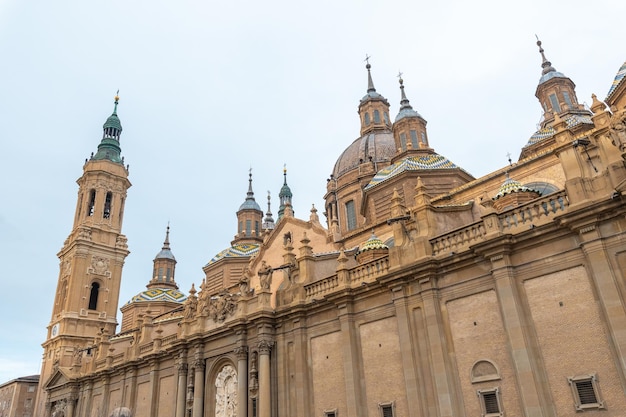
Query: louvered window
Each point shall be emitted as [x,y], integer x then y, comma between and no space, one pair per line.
[386,409]
[586,392]
[330,413]
[490,402]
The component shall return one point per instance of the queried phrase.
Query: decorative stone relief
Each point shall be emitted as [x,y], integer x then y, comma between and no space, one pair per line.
[99,265]
[617,129]
[226,392]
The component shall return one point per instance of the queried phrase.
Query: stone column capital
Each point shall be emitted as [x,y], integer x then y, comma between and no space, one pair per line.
[265,346]
[241,352]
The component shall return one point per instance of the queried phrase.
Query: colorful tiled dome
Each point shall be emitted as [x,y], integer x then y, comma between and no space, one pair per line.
[412,163]
[512,186]
[618,79]
[548,131]
[159,294]
[372,243]
[236,251]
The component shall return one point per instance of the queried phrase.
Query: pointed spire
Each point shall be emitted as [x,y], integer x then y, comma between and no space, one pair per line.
[545,64]
[406,110]
[370,83]
[166,252]
[250,203]
[109,147]
[285,194]
[268,222]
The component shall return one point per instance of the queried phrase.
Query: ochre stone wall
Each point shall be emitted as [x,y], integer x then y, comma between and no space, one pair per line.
[382,365]
[329,389]
[478,334]
[574,326]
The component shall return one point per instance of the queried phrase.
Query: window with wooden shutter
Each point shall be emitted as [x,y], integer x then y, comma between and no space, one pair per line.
[586,392]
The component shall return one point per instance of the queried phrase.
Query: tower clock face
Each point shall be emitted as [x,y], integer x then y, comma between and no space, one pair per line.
[55,330]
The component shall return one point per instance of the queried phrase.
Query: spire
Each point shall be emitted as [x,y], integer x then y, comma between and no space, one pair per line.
[109,147]
[406,110]
[164,266]
[250,203]
[545,64]
[370,83]
[284,195]
[268,222]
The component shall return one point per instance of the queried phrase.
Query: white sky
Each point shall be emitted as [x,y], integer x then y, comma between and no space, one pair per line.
[209,89]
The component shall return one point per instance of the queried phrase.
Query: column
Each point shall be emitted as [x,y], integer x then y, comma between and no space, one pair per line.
[407,351]
[355,402]
[242,381]
[48,408]
[610,299]
[436,338]
[526,369]
[198,390]
[182,386]
[265,347]
[71,403]
[154,387]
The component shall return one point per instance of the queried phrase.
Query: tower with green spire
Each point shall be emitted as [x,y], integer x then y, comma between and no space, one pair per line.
[91,261]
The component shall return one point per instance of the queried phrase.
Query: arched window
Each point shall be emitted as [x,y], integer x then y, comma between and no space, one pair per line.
[106,213]
[367,119]
[92,202]
[93,296]
[376,116]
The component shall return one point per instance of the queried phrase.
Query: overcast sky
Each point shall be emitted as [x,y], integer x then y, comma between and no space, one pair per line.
[210,89]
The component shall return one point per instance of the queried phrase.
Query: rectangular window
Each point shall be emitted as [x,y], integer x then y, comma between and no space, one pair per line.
[586,392]
[490,402]
[248,227]
[376,116]
[414,139]
[555,103]
[330,413]
[256,228]
[403,141]
[31,388]
[350,215]
[567,100]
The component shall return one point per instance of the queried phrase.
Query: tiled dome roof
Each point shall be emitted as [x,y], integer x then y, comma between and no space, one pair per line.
[412,163]
[512,186]
[159,294]
[236,251]
[372,243]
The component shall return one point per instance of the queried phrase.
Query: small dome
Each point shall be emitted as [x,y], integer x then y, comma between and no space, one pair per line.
[250,204]
[165,253]
[512,186]
[550,75]
[236,251]
[372,95]
[407,112]
[159,294]
[113,121]
[372,243]
[379,146]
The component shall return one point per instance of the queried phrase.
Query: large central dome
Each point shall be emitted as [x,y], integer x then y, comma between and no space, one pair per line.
[375,147]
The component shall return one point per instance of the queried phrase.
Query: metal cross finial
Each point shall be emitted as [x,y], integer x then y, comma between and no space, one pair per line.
[508,155]
[399,74]
[367,59]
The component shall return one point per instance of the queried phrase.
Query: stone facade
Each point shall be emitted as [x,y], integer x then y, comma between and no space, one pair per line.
[17,397]
[427,293]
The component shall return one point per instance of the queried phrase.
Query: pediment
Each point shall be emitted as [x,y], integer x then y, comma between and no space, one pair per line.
[58,378]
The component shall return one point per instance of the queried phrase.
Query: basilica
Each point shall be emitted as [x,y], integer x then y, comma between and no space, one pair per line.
[420,291]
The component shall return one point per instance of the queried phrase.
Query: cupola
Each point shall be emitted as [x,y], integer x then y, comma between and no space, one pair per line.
[373,108]
[249,218]
[109,147]
[409,128]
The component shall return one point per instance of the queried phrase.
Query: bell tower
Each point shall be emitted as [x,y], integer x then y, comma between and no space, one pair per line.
[91,258]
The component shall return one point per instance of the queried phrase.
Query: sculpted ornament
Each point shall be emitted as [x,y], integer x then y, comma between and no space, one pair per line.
[617,129]
[222,306]
[265,276]
[99,265]
[226,392]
